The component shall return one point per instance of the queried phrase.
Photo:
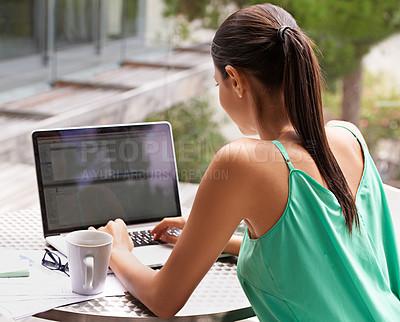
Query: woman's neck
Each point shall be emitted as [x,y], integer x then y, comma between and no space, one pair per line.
[277,132]
[275,124]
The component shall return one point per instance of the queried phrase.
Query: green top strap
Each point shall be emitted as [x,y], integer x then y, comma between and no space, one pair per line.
[285,155]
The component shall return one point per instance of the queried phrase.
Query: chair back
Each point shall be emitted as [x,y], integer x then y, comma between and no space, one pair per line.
[393,197]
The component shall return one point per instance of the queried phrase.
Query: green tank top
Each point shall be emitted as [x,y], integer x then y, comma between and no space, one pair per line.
[307,267]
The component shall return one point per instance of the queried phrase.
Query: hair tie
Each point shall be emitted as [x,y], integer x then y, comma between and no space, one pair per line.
[281,32]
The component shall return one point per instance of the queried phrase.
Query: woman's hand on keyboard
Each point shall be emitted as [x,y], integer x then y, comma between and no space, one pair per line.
[161,231]
[117,228]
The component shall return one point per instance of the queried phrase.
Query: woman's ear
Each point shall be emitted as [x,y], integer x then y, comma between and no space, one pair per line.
[237,80]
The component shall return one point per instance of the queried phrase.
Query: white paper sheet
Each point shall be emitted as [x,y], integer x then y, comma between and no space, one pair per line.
[13,266]
[43,289]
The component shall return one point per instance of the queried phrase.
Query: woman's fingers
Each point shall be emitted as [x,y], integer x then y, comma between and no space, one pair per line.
[117,228]
[161,230]
[167,238]
[169,223]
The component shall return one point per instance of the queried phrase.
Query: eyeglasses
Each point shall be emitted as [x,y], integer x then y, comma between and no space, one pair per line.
[52,261]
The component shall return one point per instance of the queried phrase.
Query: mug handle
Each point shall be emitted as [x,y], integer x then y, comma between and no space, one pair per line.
[89,266]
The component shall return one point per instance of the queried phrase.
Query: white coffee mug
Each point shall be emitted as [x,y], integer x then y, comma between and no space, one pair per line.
[88,259]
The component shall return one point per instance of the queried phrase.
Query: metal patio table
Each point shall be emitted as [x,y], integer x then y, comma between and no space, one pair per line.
[218,297]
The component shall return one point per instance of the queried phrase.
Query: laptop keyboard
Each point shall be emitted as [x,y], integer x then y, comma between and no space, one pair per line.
[144,237]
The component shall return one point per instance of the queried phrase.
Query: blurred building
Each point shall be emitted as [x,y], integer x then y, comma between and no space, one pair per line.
[84,62]
[65,36]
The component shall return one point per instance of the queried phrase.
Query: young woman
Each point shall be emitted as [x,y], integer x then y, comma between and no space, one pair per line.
[320,243]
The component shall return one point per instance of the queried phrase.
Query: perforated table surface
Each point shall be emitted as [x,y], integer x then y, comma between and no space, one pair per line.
[218,297]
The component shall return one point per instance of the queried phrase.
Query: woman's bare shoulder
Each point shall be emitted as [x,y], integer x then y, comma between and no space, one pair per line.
[249,161]
[246,152]
[257,181]
[338,127]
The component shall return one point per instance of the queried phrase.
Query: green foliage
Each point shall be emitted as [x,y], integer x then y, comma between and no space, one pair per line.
[343,30]
[181,32]
[191,9]
[380,116]
[209,11]
[346,30]
[380,124]
[196,136]
[16,20]
[130,12]
[331,102]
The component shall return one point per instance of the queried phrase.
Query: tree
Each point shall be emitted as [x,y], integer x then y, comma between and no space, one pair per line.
[344,31]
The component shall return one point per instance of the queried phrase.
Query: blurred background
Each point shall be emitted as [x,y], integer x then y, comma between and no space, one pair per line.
[86,62]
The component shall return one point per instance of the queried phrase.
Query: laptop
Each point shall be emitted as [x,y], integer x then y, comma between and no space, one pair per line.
[89,175]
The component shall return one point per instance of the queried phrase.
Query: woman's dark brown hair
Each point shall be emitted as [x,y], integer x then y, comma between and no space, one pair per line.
[285,64]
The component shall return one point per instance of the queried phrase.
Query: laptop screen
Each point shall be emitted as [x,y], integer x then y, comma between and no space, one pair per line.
[88,176]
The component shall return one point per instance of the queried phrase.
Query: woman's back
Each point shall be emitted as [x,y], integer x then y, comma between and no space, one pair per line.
[269,173]
[308,265]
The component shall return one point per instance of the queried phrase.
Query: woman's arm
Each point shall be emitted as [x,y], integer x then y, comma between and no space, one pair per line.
[161,233]
[233,245]
[218,209]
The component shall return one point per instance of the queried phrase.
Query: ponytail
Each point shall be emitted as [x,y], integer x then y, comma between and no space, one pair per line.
[302,94]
